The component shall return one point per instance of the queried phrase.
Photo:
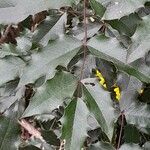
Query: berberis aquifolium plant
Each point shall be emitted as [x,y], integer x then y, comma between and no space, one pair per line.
[75,75]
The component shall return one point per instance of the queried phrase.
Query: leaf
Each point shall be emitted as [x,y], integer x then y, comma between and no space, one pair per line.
[20,10]
[7,101]
[131,134]
[8,50]
[29,147]
[8,88]
[98,100]
[141,45]
[10,131]
[115,9]
[111,49]
[108,71]
[50,29]
[52,94]
[136,113]
[101,146]
[98,8]
[50,137]
[89,65]
[43,63]
[92,29]
[10,69]
[75,126]
[130,147]
[126,25]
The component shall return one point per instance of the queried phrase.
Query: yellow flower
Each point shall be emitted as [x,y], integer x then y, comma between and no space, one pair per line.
[103,83]
[101,78]
[117,92]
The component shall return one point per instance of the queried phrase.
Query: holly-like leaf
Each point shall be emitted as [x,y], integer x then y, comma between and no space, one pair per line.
[50,29]
[75,126]
[141,45]
[7,101]
[50,137]
[131,134]
[10,131]
[92,29]
[136,112]
[44,62]
[126,25]
[115,9]
[29,147]
[8,50]
[20,10]
[130,147]
[112,49]
[101,146]
[52,94]
[98,100]
[98,8]
[10,69]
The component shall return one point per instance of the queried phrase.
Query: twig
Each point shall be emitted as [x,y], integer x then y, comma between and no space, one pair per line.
[31,129]
[84,49]
[84,41]
[77,13]
[121,129]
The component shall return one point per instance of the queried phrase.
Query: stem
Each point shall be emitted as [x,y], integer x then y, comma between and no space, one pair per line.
[84,41]
[120,134]
[84,49]
[77,13]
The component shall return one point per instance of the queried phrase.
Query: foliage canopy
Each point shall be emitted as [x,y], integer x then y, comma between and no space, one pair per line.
[75,74]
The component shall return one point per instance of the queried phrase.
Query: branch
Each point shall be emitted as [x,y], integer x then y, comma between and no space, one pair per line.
[121,129]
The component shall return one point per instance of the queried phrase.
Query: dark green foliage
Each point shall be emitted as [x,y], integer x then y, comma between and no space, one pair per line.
[50,95]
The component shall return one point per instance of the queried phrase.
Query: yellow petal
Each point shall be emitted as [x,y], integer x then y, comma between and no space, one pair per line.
[117,92]
[101,78]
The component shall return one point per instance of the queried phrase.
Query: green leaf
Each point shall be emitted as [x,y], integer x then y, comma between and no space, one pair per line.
[15,11]
[126,25]
[130,147]
[52,94]
[44,62]
[50,137]
[29,147]
[92,29]
[50,29]
[9,130]
[111,49]
[101,146]
[141,45]
[8,50]
[131,134]
[98,100]
[10,69]
[136,113]
[98,8]
[115,9]
[75,126]
[7,101]
[24,44]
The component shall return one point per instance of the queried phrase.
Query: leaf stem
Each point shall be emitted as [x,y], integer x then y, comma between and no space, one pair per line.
[84,49]
[84,41]
[121,129]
